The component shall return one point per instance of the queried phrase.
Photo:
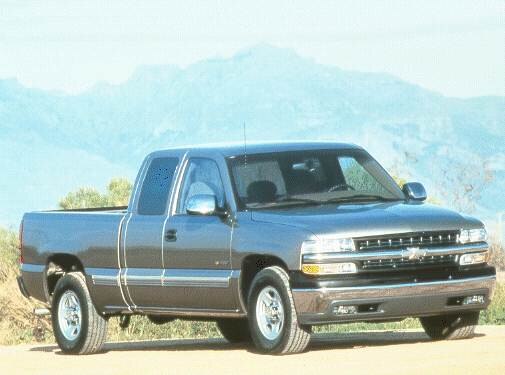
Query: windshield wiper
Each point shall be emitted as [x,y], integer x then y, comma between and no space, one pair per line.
[297,199]
[286,201]
[360,197]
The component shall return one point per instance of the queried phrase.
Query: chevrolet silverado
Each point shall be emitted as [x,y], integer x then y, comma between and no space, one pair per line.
[267,240]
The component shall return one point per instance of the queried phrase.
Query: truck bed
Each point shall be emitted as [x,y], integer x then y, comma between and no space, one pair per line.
[92,234]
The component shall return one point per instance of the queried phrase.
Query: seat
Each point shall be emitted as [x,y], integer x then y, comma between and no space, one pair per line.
[262,191]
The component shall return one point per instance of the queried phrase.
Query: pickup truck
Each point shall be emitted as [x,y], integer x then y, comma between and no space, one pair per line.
[267,240]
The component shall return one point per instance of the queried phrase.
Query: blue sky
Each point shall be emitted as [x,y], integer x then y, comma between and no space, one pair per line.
[453,47]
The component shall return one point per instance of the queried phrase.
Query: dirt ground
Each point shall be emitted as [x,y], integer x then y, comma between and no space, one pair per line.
[407,352]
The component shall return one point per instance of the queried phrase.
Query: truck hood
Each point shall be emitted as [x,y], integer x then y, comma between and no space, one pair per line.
[358,220]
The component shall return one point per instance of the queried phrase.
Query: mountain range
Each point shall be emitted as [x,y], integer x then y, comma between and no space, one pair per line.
[52,142]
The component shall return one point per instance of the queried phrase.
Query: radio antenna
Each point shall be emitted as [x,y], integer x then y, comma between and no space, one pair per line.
[245,146]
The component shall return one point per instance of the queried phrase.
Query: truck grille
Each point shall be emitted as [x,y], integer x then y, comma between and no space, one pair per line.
[406,263]
[401,241]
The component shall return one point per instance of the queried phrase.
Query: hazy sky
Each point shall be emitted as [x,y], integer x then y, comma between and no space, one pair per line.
[454,47]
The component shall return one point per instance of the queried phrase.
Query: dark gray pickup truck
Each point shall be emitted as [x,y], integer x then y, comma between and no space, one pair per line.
[267,241]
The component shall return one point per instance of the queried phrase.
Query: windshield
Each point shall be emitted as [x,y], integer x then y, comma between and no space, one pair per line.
[310,177]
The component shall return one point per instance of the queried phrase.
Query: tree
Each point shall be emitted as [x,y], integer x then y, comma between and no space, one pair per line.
[460,178]
[119,191]
[9,254]
[117,194]
[461,182]
[402,165]
[399,181]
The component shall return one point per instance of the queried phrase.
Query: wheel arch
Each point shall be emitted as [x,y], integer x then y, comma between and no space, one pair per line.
[251,265]
[57,265]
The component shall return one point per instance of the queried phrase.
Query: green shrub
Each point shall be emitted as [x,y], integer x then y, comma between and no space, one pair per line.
[9,254]
[18,324]
[117,194]
[495,314]
[497,255]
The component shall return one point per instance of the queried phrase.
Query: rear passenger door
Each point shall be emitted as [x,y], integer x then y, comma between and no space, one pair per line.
[143,234]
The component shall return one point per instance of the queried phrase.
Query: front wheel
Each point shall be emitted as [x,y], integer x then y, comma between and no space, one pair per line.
[450,327]
[272,316]
[77,326]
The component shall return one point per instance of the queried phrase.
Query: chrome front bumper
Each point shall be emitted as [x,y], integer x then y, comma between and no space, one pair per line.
[316,306]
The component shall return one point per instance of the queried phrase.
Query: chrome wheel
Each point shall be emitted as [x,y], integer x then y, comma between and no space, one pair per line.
[69,315]
[270,313]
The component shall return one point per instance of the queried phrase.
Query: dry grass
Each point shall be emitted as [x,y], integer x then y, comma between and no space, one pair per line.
[497,255]
[495,314]
[17,322]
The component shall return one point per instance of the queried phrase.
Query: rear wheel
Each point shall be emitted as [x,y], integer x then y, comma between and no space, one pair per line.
[234,330]
[450,327]
[78,327]
[272,316]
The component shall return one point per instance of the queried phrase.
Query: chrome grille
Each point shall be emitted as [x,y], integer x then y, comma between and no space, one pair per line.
[404,240]
[406,263]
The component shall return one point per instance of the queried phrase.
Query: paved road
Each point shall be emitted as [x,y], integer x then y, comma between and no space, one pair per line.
[362,353]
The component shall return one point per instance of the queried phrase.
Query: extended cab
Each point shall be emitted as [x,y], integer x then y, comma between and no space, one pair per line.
[267,240]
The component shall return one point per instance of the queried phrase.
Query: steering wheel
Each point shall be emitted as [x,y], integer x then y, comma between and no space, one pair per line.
[340,187]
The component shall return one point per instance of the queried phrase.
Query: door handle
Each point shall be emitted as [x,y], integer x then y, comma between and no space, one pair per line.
[171,235]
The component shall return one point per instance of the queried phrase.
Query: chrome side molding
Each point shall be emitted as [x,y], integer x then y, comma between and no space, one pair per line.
[189,278]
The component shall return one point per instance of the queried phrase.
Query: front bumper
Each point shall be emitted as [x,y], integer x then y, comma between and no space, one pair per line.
[390,301]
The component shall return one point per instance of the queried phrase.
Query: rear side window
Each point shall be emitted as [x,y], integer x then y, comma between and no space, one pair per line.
[154,194]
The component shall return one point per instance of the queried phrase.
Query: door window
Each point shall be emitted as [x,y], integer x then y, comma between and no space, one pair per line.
[201,177]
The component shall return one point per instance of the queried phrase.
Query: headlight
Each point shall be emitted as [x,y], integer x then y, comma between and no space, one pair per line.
[328,245]
[472,235]
[329,268]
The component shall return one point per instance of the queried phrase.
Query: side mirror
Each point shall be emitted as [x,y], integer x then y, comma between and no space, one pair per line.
[202,204]
[414,191]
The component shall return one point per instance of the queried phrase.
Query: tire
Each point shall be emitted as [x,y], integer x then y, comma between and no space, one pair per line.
[87,330]
[272,316]
[450,327]
[234,330]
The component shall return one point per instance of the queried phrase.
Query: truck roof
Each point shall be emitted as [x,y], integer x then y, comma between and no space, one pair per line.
[237,148]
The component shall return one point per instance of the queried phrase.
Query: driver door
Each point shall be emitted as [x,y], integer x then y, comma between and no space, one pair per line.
[198,271]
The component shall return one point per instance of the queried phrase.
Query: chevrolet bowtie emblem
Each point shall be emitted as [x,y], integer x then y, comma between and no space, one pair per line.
[413,253]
